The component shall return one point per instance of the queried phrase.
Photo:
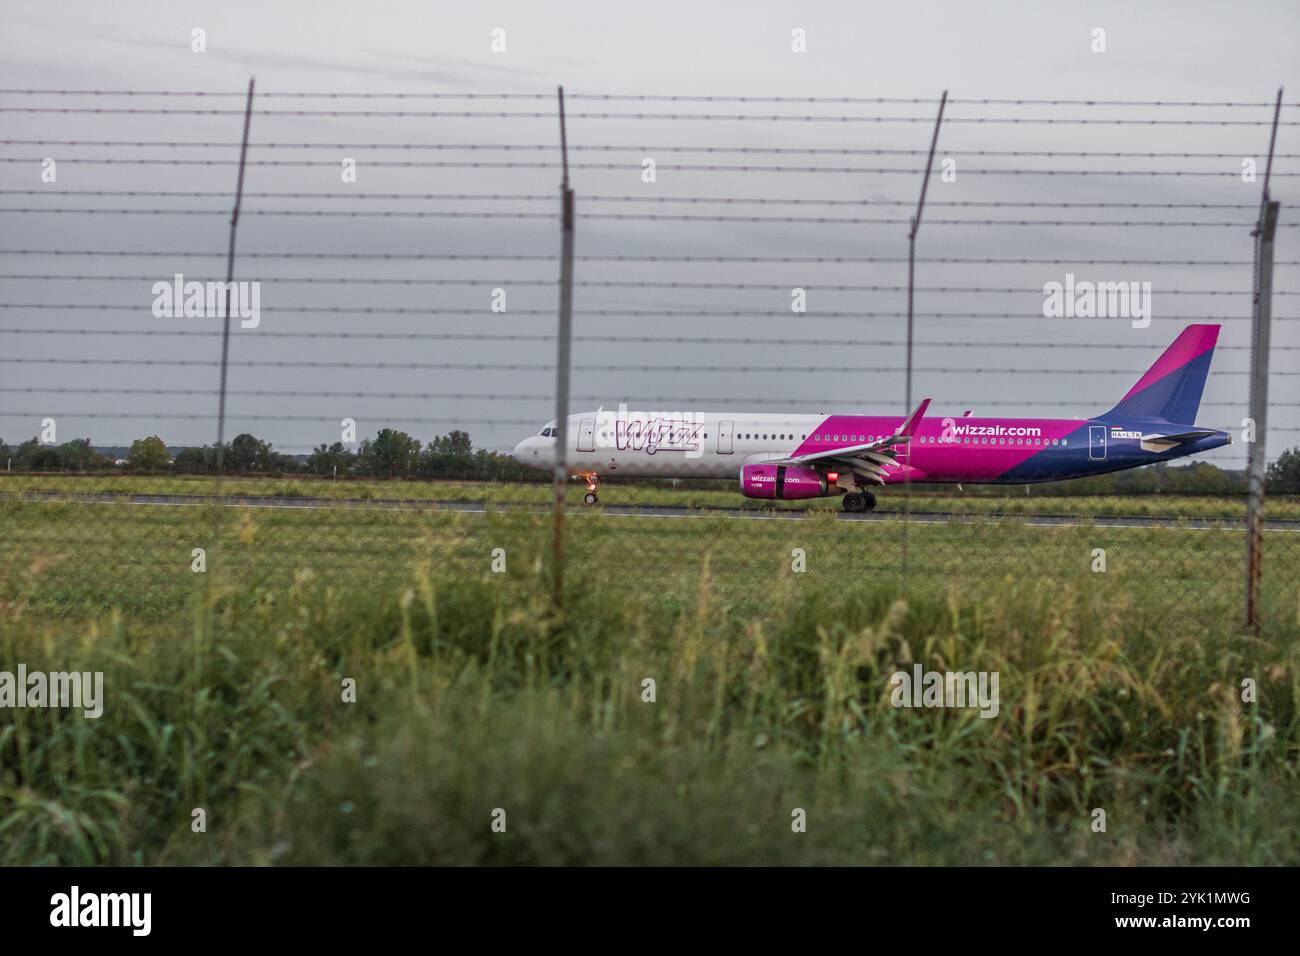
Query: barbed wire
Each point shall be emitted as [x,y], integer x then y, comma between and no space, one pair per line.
[636,167]
[521,367]
[632,339]
[600,284]
[528,422]
[550,115]
[516,257]
[640,217]
[503,397]
[632,313]
[651,97]
[547,197]
[638,148]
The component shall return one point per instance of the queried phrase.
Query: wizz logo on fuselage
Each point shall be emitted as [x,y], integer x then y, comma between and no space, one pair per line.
[657,434]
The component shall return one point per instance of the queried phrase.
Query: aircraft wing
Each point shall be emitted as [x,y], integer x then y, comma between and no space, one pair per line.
[867,458]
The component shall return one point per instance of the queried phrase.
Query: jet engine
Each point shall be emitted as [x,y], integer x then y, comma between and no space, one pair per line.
[788,482]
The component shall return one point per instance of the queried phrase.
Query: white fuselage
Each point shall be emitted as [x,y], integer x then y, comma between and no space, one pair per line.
[675,444]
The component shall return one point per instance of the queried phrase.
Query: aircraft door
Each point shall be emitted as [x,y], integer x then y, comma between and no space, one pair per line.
[587,435]
[1096,442]
[725,430]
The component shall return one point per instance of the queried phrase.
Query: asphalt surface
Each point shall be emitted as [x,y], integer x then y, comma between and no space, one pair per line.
[646,511]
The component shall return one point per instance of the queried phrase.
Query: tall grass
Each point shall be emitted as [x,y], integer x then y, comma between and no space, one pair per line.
[474,695]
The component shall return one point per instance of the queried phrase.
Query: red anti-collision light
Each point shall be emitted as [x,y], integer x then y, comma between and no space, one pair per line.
[832,476]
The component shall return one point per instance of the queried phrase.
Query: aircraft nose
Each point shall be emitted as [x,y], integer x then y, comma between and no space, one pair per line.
[533,451]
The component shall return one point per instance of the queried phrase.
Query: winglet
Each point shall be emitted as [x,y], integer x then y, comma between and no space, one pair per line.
[908,427]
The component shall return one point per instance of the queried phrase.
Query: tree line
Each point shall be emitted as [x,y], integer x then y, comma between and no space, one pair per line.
[390,454]
[395,454]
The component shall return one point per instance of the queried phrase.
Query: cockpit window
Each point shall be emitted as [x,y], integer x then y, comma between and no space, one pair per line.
[546,432]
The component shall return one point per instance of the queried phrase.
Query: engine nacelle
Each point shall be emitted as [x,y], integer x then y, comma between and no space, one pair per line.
[787,482]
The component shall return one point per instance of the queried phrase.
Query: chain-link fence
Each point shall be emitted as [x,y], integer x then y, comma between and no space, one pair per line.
[397,319]
[390,336]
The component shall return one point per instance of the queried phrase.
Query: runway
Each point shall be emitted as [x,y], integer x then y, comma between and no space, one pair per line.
[663,512]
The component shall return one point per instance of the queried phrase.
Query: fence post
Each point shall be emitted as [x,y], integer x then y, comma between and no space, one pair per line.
[564,339]
[911,276]
[1265,230]
[1259,345]
[230,278]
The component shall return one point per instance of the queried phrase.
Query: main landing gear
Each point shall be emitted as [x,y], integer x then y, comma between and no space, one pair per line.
[856,501]
[591,497]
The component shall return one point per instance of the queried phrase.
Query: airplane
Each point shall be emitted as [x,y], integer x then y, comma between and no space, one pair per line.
[799,456]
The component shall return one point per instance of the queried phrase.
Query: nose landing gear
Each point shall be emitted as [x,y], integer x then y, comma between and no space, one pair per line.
[593,481]
[858,501]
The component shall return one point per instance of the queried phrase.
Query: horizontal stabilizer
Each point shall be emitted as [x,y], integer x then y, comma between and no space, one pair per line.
[1159,442]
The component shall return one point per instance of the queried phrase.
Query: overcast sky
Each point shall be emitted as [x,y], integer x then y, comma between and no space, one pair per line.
[1154,51]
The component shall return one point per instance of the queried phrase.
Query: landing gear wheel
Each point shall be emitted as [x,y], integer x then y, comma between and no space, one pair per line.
[871,500]
[854,502]
[590,498]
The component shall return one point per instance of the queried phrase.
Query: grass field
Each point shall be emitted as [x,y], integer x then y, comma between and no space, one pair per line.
[1120,691]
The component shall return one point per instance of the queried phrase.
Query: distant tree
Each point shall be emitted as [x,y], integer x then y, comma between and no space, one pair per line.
[76,455]
[148,455]
[449,456]
[324,459]
[28,455]
[193,461]
[1196,478]
[1200,477]
[246,453]
[489,466]
[391,453]
[1283,475]
[281,463]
